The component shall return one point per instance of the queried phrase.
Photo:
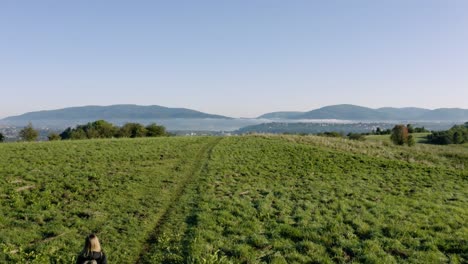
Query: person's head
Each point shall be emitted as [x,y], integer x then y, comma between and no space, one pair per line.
[91,244]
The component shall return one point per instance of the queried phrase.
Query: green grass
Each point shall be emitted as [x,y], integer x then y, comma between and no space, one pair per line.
[418,137]
[272,199]
[252,199]
[54,193]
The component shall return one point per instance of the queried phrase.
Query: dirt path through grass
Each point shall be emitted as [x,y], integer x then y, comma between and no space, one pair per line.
[175,214]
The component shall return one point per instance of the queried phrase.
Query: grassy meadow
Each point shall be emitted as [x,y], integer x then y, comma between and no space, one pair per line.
[418,137]
[247,199]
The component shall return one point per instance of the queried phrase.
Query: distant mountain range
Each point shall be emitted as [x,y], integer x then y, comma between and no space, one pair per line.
[127,113]
[354,112]
[124,111]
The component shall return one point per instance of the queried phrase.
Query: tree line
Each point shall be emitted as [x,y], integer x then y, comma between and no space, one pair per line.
[458,134]
[104,129]
[96,129]
[410,127]
[399,135]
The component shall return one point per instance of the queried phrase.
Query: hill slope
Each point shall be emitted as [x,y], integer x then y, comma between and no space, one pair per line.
[345,111]
[113,112]
[354,112]
[446,113]
[409,113]
[281,115]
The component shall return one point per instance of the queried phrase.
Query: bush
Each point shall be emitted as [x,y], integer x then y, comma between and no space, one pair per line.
[132,130]
[2,137]
[28,133]
[411,141]
[78,133]
[53,137]
[399,135]
[66,134]
[379,131]
[96,129]
[330,134]
[356,136]
[455,135]
[410,128]
[153,130]
[420,130]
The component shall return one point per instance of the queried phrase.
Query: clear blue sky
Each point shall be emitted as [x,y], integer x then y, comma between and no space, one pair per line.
[237,58]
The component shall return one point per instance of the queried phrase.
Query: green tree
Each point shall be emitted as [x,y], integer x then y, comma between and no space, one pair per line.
[420,130]
[410,128]
[92,132]
[153,130]
[455,135]
[28,133]
[103,129]
[399,135]
[53,137]
[132,130]
[2,137]
[66,134]
[125,131]
[78,133]
[96,129]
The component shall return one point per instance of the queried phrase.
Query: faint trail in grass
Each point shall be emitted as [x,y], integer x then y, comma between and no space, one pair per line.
[200,162]
[48,239]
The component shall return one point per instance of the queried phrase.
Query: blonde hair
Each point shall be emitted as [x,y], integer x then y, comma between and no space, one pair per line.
[91,244]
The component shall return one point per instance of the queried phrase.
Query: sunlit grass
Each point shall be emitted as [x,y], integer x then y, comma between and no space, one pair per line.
[116,188]
[251,199]
[274,200]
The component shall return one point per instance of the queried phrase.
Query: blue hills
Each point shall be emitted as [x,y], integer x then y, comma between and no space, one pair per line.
[123,111]
[340,112]
[354,112]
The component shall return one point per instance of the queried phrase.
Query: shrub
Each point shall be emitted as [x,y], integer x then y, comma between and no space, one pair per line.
[356,136]
[379,131]
[153,130]
[330,134]
[96,129]
[420,130]
[411,142]
[410,128]
[28,133]
[132,130]
[53,136]
[455,135]
[399,135]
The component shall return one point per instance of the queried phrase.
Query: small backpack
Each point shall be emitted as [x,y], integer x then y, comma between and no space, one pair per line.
[93,261]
